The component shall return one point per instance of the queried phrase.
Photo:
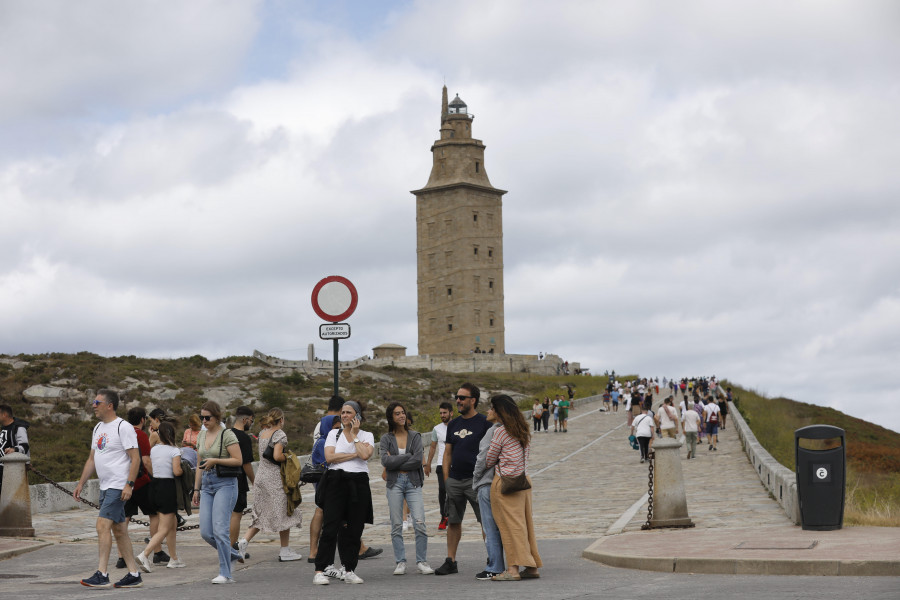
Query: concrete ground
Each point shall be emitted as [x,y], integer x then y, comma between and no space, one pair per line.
[589,503]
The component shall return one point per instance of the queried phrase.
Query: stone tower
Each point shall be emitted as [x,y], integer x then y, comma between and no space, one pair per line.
[459,244]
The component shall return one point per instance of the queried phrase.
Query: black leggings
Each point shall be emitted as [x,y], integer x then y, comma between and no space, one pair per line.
[537,423]
[645,446]
[347,499]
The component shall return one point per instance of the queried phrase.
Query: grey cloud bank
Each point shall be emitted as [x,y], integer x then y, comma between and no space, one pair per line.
[697,188]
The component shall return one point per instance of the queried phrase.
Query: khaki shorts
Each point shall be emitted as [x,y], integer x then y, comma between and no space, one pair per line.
[669,433]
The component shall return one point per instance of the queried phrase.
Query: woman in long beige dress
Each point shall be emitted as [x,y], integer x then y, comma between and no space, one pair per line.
[512,512]
[269,500]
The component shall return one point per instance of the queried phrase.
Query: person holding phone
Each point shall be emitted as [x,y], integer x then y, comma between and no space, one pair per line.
[346,497]
[217,495]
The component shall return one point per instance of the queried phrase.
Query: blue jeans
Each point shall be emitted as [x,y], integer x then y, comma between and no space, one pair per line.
[217,498]
[404,490]
[492,542]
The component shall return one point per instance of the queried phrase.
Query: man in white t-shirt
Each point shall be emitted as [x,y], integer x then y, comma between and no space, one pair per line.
[690,420]
[115,458]
[668,419]
[438,441]
[711,418]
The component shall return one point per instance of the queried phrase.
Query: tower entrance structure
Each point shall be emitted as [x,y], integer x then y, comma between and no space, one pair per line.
[459,244]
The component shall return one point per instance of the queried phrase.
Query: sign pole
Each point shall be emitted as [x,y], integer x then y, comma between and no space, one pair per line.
[335,366]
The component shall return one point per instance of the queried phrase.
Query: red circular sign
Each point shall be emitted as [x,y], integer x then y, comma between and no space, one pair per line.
[334,298]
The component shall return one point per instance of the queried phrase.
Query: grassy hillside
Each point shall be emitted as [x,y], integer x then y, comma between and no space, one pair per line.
[873,452]
[60,440]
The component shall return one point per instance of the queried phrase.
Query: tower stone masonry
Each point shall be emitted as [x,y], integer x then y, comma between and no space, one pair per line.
[459,244]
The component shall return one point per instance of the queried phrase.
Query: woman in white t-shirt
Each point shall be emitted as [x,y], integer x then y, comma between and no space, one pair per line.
[165,463]
[346,497]
[643,429]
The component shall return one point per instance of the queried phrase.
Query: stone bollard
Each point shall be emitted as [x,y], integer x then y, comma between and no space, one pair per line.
[15,500]
[669,500]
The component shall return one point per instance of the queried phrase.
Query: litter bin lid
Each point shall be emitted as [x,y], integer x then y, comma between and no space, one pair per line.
[818,432]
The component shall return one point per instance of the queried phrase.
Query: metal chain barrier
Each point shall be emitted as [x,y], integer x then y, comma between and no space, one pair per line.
[31,468]
[651,456]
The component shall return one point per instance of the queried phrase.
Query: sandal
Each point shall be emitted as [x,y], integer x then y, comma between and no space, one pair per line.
[529,575]
[506,576]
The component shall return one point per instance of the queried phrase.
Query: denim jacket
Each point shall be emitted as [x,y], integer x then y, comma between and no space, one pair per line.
[411,461]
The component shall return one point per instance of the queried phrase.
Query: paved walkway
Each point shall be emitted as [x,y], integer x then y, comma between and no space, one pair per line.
[588,483]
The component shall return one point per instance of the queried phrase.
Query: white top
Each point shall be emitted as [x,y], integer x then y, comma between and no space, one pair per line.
[340,444]
[110,442]
[709,409]
[161,456]
[643,426]
[664,421]
[691,421]
[439,435]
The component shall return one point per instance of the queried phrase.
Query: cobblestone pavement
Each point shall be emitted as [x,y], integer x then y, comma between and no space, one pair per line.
[584,480]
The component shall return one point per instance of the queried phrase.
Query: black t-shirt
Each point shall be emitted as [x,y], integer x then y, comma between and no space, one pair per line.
[246,446]
[465,435]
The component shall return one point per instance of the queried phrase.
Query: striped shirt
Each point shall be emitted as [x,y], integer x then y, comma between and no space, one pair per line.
[507,453]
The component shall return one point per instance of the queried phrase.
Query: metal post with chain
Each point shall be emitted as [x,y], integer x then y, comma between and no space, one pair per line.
[651,457]
[31,468]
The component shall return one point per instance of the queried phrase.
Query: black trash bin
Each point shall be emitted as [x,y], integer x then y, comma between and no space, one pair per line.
[820,457]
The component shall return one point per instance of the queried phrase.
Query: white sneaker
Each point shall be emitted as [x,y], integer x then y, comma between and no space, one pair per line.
[143,562]
[222,579]
[174,563]
[287,555]
[351,577]
[242,546]
[320,579]
[424,568]
[400,569]
[334,572]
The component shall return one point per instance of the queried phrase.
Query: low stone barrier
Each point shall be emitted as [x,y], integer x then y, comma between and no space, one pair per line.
[778,479]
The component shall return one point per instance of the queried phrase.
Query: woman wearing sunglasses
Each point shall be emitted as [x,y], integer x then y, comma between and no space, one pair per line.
[217,495]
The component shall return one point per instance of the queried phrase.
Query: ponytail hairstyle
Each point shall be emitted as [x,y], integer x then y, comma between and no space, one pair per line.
[166,433]
[272,418]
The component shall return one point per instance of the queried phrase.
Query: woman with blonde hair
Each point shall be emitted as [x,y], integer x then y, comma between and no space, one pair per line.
[509,452]
[269,500]
[217,492]
[189,440]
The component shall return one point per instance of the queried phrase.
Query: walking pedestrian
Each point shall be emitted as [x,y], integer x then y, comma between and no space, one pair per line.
[115,458]
[243,421]
[270,502]
[691,424]
[545,415]
[643,429]
[165,466]
[537,411]
[216,489]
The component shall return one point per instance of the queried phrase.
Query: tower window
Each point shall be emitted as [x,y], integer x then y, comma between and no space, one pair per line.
[491,322]
[476,252]
[477,167]
[474,217]
[449,326]
[449,292]
[490,253]
[451,133]
[491,286]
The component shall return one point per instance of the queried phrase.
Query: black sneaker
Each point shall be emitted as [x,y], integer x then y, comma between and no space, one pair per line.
[370,553]
[180,520]
[120,564]
[97,580]
[160,557]
[448,568]
[485,576]
[130,581]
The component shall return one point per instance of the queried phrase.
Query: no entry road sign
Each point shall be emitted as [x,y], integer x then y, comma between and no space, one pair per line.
[334,299]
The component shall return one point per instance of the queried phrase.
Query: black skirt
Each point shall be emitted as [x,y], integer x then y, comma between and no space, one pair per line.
[163,494]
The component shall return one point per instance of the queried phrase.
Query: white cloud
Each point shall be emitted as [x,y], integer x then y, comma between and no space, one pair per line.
[695,189]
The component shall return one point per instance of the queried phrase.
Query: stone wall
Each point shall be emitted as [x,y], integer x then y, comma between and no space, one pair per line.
[778,479]
[458,363]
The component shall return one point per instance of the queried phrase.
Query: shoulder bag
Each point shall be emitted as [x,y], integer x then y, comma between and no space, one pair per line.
[223,470]
[510,484]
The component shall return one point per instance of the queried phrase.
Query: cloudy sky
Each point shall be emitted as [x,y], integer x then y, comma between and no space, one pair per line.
[694,187]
